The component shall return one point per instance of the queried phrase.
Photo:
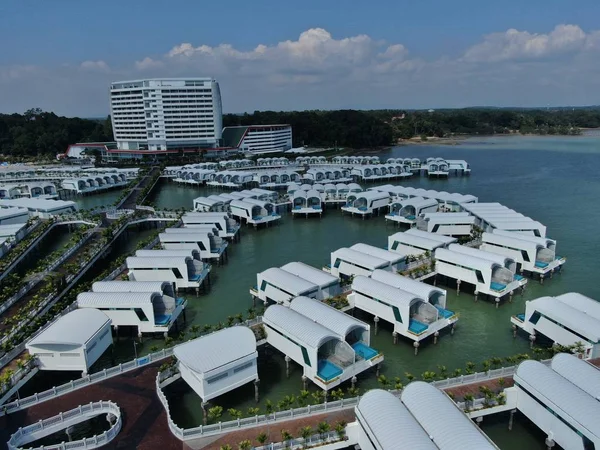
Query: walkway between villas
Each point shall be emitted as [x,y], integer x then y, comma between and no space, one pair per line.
[132,199]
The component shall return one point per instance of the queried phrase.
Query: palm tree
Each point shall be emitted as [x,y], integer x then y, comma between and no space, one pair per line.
[468,401]
[470,367]
[245,445]
[340,429]
[353,391]
[323,428]
[215,413]
[306,432]
[253,411]
[286,437]
[409,376]
[428,376]
[303,397]
[382,379]
[261,438]
[398,384]
[226,447]
[235,413]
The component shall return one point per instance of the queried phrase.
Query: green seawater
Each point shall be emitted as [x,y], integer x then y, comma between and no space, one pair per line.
[554,180]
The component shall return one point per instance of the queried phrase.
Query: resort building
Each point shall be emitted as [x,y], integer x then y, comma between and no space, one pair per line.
[447,201]
[209,246]
[149,312]
[160,253]
[410,315]
[446,240]
[183,272]
[329,286]
[73,342]
[408,210]
[492,216]
[366,203]
[41,207]
[346,263]
[164,288]
[504,261]
[535,255]
[567,320]
[205,204]
[277,285]
[562,403]
[437,167]
[448,223]
[13,233]
[326,358]
[410,243]
[252,213]
[220,362]
[396,260]
[227,226]
[166,113]
[488,277]
[258,139]
[307,202]
[431,294]
[13,215]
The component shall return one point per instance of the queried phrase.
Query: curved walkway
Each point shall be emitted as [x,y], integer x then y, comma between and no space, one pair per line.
[64,420]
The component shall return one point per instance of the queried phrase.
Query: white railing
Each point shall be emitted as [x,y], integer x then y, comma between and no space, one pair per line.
[338,405]
[118,213]
[73,385]
[315,440]
[63,420]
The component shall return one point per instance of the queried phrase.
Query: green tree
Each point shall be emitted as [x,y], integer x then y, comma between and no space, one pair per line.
[245,445]
[235,413]
[323,428]
[261,438]
[215,413]
[306,432]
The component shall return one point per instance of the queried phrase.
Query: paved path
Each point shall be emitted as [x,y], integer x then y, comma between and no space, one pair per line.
[144,418]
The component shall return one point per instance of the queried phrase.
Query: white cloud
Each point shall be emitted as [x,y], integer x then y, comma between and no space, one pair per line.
[522,45]
[148,64]
[95,66]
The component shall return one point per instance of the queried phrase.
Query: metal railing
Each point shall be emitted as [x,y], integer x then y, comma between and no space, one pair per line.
[63,420]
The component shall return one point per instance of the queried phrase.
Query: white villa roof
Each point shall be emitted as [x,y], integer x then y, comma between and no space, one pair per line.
[130,286]
[185,230]
[298,327]
[207,201]
[568,316]
[372,195]
[243,204]
[390,423]
[309,273]
[443,254]
[359,258]
[255,201]
[189,235]
[377,252]
[201,215]
[525,237]
[482,254]
[11,229]
[565,399]
[581,373]
[432,236]
[407,201]
[448,426]
[287,281]
[214,350]
[352,186]
[135,262]
[412,240]
[422,290]
[39,204]
[384,291]
[12,211]
[313,193]
[165,253]
[74,328]
[584,304]
[115,299]
[514,240]
[337,321]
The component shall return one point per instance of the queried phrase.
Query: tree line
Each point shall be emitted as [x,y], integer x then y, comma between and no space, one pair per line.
[40,134]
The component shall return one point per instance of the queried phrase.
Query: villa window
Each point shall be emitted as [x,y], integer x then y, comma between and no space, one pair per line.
[139,312]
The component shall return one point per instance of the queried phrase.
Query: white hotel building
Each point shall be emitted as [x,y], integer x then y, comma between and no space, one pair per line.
[257,139]
[166,113]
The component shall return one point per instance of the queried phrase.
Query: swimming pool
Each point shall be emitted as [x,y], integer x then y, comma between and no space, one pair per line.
[327,370]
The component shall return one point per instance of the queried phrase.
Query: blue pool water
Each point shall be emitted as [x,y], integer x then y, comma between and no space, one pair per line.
[327,370]
[518,277]
[163,319]
[417,327]
[521,317]
[445,313]
[497,286]
[364,350]
[541,264]
[180,301]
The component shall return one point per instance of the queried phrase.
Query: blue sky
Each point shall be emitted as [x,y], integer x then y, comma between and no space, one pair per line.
[61,55]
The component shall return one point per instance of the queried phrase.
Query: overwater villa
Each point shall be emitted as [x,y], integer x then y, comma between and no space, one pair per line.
[562,403]
[535,255]
[159,253]
[447,223]
[488,277]
[566,320]
[251,213]
[209,246]
[307,203]
[408,210]
[43,208]
[13,215]
[347,263]
[437,167]
[205,204]
[277,285]
[149,312]
[164,288]
[492,216]
[219,362]
[227,226]
[447,201]
[183,272]
[366,203]
[329,286]
[353,331]
[396,260]
[429,293]
[74,342]
[411,316]
[408,243]
[265,194]
[446,240]
[326,358]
